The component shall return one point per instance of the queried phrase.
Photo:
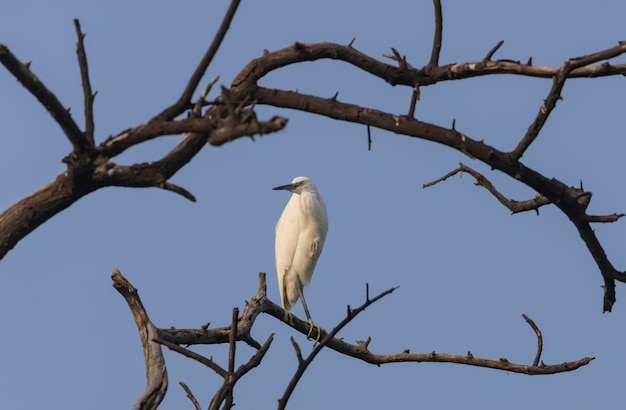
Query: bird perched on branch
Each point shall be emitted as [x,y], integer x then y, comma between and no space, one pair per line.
[300,235]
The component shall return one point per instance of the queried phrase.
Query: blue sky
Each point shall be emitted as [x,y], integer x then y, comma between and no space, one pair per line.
[466,268]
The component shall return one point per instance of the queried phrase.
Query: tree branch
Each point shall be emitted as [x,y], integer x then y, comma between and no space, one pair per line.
[514,206]
[532,324]
[259,303]
[555,93]
[185,99]
[406,74]
[195,356]
[434,57]
[190,395]
[303,364]
[156,372]
[89,96]
[21,71]
[493,51]
[571,201]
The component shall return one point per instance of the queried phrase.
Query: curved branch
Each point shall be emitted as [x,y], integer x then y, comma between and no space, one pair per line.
[409,76]
[156,371]
[434,56]
[571,201]
[532,324]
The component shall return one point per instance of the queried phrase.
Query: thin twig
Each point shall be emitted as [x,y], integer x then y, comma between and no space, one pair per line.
[178,190]
[185,98]
[196,405]
[513,205]
[89,96]
[197,109]
[532,324]
[415,96]
[604,218]
[48,100]
[493,51]
[434,57]
[231,359]
[555,94]
[303,364]
[195,356]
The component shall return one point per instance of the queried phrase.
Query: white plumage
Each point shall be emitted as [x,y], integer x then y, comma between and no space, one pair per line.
[300,235]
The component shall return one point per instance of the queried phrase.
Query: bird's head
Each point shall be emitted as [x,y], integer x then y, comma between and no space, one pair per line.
[298,185]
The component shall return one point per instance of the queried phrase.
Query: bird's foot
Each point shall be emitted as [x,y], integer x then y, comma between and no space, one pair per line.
[319,331]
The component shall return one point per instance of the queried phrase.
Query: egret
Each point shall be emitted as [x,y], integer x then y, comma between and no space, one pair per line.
[300,235]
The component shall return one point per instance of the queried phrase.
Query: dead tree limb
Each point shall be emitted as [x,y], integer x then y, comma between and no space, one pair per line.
[532,324]
[190,395]
[91,168]
[259,303]
[513,205]
[156,371]
[89,96]
[303,363]
[573,202]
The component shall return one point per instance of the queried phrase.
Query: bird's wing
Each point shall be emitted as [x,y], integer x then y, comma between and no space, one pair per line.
[311,236]
[287,230]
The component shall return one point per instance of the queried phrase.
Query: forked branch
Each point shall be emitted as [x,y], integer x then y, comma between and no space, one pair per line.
[513,205]
[240,328]
[303,363]
[259,303]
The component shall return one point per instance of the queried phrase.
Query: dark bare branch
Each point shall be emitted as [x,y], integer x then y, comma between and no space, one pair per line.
[437,39]
[184,101]
[604,218]
[555,93]
[225,393]
[415,96]
[532,324]
[89,96]
[28,214]
[156,372]
[48,100]
[195,356]
[513,205]
[259,303]
[197,108]
[178,190]
[493,51]
[566,198]
[303,364]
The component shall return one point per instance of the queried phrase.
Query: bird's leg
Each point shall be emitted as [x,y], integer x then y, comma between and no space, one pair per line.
[308,316]
[287,318]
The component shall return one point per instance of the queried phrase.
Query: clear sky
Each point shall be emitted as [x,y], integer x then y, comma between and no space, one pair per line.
[466,268]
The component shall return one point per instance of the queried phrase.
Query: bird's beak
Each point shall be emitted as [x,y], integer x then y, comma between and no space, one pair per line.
[287,187]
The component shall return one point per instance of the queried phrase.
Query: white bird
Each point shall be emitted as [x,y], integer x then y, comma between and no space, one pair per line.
[300,235]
